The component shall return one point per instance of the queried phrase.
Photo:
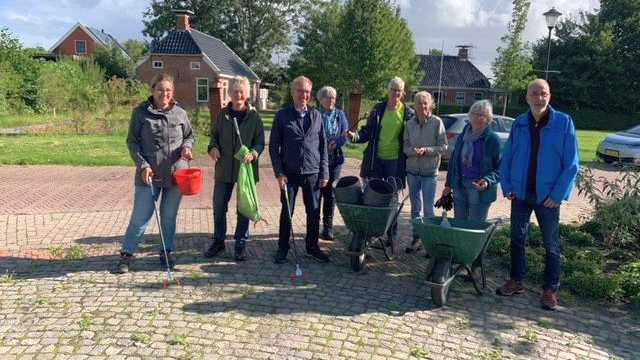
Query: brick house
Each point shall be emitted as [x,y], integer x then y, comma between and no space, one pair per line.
[462,83]
[198,62]
[82,40]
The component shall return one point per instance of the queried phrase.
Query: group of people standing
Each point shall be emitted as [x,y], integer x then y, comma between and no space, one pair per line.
[536,168]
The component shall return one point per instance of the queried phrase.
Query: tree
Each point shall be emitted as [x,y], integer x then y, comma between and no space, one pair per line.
[136,49]
[512,67]
[114,62]
[21,70]
[437,52]
[254,30]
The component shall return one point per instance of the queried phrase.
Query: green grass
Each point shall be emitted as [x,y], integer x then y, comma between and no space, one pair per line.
[588,143]
[10,121]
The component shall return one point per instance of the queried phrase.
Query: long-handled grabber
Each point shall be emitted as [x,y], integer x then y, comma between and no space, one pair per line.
[170,277]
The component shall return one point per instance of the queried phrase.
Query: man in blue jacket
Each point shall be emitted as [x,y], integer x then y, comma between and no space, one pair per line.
[538,170]
[298,150]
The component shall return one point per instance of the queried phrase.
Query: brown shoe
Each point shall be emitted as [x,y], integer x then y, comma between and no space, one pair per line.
[549,300]
[510,288]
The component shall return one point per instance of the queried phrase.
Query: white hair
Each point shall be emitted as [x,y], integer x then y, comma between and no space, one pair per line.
[396,81]
[540,82]
[326,91]
[300,79]
[482,107]
[423,95]
[238,81]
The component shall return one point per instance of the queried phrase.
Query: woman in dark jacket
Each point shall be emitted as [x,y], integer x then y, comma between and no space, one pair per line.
[473,170]
[223,145]
[335,125]
[160,141]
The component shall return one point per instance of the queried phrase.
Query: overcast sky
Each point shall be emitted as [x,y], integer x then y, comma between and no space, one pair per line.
[479,23]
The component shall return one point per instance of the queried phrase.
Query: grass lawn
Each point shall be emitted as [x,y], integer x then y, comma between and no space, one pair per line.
[10,121]
[588,141]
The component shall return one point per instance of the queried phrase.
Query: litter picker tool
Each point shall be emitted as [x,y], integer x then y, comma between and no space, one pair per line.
[170,276]
[292,238]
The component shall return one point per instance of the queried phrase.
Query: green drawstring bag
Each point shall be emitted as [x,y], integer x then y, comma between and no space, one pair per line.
[247,192]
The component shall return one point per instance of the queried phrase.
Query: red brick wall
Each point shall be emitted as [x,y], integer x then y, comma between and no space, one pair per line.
[68,46]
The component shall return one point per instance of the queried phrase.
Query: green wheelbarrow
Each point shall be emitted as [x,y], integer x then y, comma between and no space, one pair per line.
[367,226]
[461,246]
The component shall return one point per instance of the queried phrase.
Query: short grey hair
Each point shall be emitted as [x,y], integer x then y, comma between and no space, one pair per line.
[326,91]
[482,107]
[423,95]
[541,82]
[238,81]
[397,82]
[300,79]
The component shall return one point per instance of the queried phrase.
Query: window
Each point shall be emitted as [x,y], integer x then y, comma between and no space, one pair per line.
[157,64]
[81,47]
[477,96]
[195,65]
[202,89]
[459,98]
[495,125]
[437,96]
[224,91]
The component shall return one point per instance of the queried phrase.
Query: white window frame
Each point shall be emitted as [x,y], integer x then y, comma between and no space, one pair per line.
[476,97]
[198,86]
[157,64]
[76,46]
[460,100]
[194,65]
[225,93]
[435,96]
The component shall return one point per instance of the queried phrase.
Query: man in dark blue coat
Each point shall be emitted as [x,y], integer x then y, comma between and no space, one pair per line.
[298,150]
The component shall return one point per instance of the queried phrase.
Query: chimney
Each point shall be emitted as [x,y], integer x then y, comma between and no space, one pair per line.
[463,52]
[182,19]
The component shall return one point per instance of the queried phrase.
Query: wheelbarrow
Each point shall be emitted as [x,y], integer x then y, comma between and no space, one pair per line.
[367,226]
[461,246]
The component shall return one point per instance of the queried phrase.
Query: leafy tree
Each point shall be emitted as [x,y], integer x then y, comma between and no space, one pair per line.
[252,29]
[437,52]
[512,67]
[111,58]
[136,49]
[23,71]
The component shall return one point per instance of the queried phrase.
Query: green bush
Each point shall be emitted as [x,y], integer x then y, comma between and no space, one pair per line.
[622,255]
[629,277]
[72,85]
[619,221]
[534,266]
[594,286]
[534,236]
[501,242]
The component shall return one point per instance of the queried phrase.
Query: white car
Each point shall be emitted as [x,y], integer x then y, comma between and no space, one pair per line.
[623,146]
[454,123]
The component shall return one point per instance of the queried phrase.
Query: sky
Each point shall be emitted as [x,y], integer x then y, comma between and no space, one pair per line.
[479,23]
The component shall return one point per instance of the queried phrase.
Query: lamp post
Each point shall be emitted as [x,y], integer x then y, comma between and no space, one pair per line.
[551,17]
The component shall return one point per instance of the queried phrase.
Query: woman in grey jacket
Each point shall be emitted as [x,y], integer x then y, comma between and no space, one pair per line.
[424,142]
[160,141]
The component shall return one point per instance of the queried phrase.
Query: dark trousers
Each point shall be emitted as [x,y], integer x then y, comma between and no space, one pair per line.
[221,196]
[548,218]
[311,196]
[327,198]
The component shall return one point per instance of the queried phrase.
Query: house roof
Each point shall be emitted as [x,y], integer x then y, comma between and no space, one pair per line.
[456,73]
[194,42]
[97,36]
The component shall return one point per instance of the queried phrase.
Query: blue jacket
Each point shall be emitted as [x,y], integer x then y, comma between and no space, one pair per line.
[337,157]
[490,165]
[557,158]
[371,133]
[292,150]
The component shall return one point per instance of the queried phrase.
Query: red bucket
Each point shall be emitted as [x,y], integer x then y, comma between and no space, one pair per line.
[189,181]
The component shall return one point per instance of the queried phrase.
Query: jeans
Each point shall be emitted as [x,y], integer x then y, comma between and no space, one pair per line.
[221,195]
[425,186]
[466,203]
[143,207]
[548,218]
[327,198]
[311,196]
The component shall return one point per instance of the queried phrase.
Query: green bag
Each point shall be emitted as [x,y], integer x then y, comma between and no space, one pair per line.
[247,192]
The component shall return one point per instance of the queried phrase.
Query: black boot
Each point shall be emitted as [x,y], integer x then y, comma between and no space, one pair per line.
[327,233]
[123,264]
[214,250]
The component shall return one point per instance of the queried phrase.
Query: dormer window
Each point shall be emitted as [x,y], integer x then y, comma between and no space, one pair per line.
[157,64]
[195,65]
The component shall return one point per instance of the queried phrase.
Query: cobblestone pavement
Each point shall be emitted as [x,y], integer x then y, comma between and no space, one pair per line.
[61,228]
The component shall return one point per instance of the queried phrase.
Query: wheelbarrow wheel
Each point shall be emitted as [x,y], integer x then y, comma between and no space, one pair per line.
[357,245]
[478,277]
[439,275]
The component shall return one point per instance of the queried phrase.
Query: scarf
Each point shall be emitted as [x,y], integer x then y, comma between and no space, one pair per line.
[467,148]
[330,128]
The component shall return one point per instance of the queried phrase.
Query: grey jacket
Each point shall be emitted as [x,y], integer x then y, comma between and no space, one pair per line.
[430,135]
[155,140]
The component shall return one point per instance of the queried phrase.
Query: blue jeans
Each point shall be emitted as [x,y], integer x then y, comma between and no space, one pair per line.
[425,186]
[327,198]
[311,196]
[143,207]
[466,203]
[221,195]
[548,218]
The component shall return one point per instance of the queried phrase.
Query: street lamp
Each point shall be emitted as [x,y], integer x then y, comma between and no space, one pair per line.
[551,17]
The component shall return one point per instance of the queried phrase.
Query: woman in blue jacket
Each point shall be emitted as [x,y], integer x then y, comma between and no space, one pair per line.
[335,125]
[474,166]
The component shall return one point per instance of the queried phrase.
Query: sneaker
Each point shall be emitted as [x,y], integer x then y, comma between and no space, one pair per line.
[281,256]
[510,288]
[317,254]
[415,246]
[169,260]
[239,255]
[123,264]
[327,233]
[214,250]
[549,300]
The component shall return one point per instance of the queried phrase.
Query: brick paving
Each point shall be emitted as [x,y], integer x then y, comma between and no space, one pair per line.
[55,307]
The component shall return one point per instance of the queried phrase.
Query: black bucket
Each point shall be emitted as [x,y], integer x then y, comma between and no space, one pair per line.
[348,190]
[378,193]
